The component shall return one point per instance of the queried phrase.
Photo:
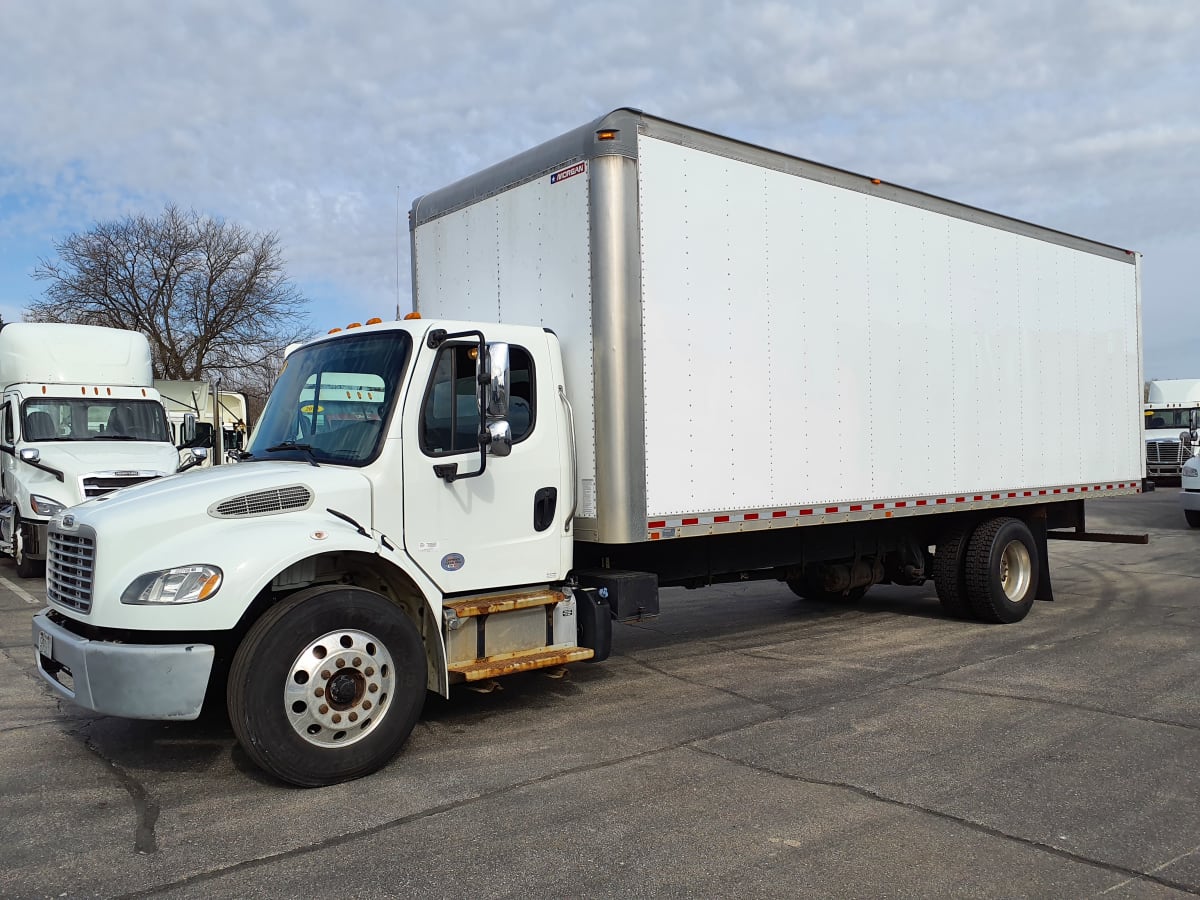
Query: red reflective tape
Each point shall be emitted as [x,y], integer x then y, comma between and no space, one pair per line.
[978,496]
[995,496]
[941,500]
[1012,493]
[879,505]
[831,509]
[922,503]
[691,521]
[720,518]
[900,503]
[1058,490]
[1084,488]
[960,499]
[1041,493]
[1070,490]
[750,517]
[1108,487]
[780,513]
[856,508]
[1029,493]
[658,524]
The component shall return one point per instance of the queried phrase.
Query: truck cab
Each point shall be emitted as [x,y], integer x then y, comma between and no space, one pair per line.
[400,521]
[78,419]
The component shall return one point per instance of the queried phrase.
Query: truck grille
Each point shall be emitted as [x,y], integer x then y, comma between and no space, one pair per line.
[1163,451]
[70,569]
[99,485]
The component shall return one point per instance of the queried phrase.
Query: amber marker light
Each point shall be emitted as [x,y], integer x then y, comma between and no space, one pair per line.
[412,315]
[607,134]
[374,320]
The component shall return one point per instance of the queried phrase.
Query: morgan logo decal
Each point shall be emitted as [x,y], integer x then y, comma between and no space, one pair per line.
[568,172]
[452,562]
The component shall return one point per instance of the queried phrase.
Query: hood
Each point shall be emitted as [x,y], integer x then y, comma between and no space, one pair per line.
[230,492]
[83,457]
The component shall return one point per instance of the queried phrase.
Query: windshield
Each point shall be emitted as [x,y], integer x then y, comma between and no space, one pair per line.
[332,400]
[1169,418]
[93,419]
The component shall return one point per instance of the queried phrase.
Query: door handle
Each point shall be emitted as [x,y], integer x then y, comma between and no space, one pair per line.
[545,501]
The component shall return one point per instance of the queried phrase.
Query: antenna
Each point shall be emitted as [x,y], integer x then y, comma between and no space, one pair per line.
[397,253]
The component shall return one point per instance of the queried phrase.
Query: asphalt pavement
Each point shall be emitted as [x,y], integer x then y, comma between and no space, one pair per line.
[743,744]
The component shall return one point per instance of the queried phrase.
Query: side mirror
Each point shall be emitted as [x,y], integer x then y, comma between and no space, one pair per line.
[31,454]
[499,438]
[195,456]
[187,431]
[497,389]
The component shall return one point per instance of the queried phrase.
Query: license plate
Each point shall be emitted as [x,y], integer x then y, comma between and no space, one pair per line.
[45,644]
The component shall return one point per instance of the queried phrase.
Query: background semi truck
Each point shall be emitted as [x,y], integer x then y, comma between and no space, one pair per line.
[649,356]
[79,418]
[1172,415]
[220,417]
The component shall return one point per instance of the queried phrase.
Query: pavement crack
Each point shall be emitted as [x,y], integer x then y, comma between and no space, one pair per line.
[990,831]
[433,811]
[146,807]
[1084,707]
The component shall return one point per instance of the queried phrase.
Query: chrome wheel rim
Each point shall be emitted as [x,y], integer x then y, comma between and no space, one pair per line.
[339,688]
[1016,571]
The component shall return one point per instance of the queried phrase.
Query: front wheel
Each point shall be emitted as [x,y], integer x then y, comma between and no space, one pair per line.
[1193,517]
[1002,570]
[26,567]
[327,685]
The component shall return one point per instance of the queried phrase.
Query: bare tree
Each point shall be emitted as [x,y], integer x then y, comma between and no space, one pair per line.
[211,297]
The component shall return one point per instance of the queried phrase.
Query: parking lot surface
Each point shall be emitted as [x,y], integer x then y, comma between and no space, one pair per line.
[745,743]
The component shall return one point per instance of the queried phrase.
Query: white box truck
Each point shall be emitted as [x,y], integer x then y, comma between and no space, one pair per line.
[1172,415]
[648,356]
[221,426]
[79,418]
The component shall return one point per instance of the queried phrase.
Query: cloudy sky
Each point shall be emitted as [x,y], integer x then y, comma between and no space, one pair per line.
[319,121]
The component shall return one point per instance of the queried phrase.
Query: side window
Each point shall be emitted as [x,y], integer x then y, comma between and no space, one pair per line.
[9,434]
[450,414]
[521,405]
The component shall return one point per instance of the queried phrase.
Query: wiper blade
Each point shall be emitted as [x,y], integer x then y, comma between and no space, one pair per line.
[306,449]
[115,437]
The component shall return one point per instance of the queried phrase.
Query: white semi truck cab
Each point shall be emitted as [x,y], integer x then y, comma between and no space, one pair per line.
[1171,415]
[78,419]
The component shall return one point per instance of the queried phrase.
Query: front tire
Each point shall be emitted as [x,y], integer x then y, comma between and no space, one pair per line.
[26,567]
[1002,570]
[327,685]
[1193,517]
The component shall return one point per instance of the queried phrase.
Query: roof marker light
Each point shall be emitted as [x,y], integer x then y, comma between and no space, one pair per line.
[412,315]
[607,134]
[374,320]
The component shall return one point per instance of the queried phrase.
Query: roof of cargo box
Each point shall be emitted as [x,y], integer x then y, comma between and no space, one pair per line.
[621,129]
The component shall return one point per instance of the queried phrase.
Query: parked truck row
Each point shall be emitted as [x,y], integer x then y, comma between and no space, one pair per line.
[642,355]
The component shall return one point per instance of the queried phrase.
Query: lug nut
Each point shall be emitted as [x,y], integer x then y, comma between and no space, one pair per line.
[341,664]
[326,674]
[320,692]
[373,688]
[353,717]
[357,662]
[337,717]
[370,671]
[322,709]
[366,704]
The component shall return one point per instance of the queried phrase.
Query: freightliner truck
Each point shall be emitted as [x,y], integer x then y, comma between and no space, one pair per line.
[79,418]
[647,356]
[1171,416]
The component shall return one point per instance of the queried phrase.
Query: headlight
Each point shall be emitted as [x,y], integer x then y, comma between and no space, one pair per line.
[1189,472]
[44,506]
[182,584]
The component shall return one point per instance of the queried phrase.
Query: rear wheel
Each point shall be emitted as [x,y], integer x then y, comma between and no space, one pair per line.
[327,685]
[810,589]
[1193,517]
[1002,570]
[950,573]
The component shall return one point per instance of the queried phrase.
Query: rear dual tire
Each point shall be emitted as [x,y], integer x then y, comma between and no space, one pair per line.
[989,572]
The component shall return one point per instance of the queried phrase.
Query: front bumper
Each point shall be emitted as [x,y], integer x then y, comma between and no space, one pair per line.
[1190,499]
[134,681]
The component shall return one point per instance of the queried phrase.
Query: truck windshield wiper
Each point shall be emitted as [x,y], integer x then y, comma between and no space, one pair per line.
[307,449]
[115,437]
